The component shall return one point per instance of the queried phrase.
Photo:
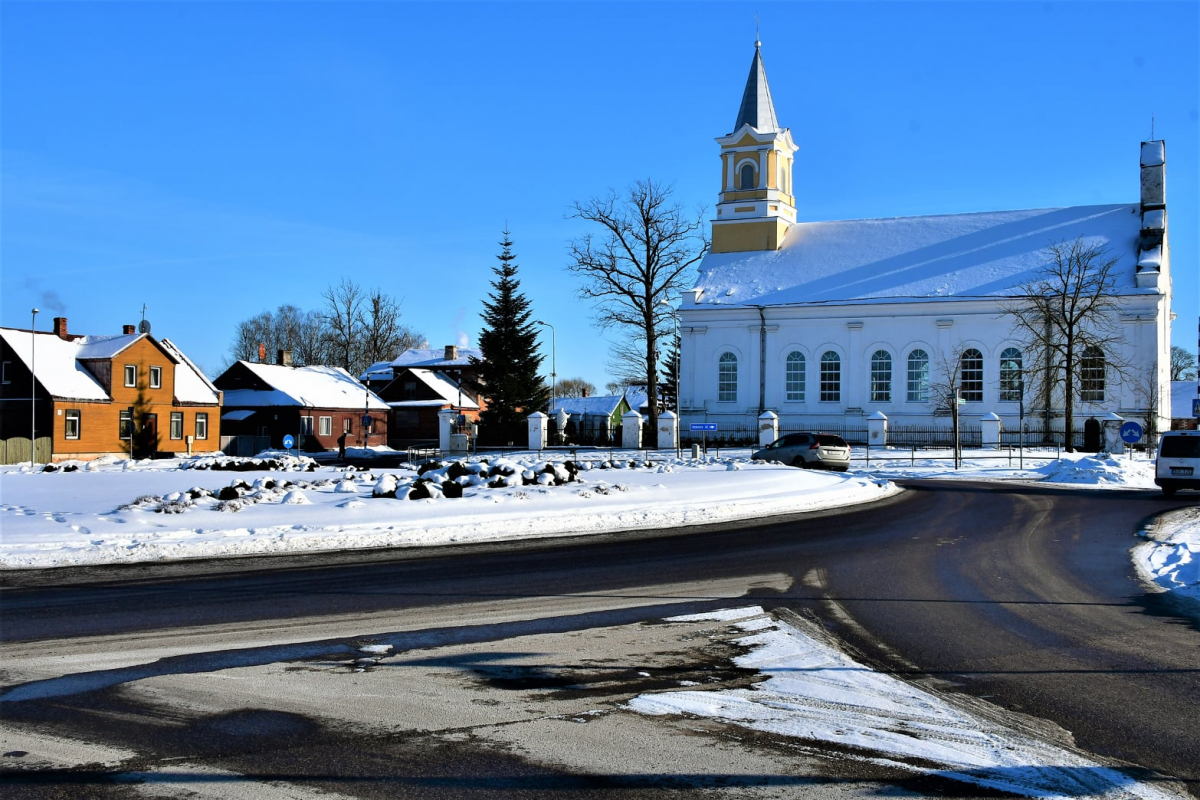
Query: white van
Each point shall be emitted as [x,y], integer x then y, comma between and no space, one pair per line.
[1178,462]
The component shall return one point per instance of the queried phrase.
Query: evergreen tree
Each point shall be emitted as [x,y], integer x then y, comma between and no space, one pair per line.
[670,377]
[508,370]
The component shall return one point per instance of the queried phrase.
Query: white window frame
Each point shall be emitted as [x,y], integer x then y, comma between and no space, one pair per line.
[1012,364]
[201,425]
[124,424]
[325,426]
[72,416]
[881,377]
[131,369]
[306,425]
[176,425]
[155,377]
[970,379]
[831,377]
[793,376]
[727,378]
[1092,374]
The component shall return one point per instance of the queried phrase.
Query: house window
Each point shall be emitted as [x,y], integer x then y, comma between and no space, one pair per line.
[881,377]
[125,428]
[346,424]
[71,425]
[410,390]
[176,424]
[156,377]
[306,425]
[831,377]
[748,181]
[971,375]
[326,426]
[727,378]
[795,376]
[918,376]
[131,375]
[4,373]
[1010,375]
[1091,373]
[201,425]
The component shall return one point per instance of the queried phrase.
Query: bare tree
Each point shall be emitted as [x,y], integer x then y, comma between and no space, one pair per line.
[627,359]
[252,333]
[1183,364]
[1065,320]
[945,390]
[384,337]
[344,307]
[615,387]
[640,258]
[575,387]
[309,345]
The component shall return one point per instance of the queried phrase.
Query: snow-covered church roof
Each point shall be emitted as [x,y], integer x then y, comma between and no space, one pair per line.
[987,254]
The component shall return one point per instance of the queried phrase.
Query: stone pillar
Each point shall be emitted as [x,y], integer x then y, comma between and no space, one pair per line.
[768,428]
[1112,433]
[631,430]
[990,426]
[668,431]
[877,429]
[538,423]
[445,423]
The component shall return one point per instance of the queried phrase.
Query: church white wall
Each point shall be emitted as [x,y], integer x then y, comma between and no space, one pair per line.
[938,326]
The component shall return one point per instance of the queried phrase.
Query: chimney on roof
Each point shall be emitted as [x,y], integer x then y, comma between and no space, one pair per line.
[60,328]
[262,352]
[451,352]
[283,358]
[128,329]
[585,393]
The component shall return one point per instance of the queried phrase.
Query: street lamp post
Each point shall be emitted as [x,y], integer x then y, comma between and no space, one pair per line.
[33,387]
[553,367]
[678,350]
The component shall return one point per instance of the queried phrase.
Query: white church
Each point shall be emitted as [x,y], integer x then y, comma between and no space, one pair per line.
[826,324]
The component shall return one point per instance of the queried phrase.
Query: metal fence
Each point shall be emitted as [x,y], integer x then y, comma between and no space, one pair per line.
[244,445]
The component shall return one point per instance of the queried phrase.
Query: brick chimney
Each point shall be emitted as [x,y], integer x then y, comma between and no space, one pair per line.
[283,358]
[60,328]
[128,329]
[451,352]
[585,392]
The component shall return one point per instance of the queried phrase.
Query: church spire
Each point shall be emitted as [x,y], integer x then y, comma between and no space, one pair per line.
[757,109]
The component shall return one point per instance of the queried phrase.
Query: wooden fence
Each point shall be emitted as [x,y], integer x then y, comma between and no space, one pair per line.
[16,450]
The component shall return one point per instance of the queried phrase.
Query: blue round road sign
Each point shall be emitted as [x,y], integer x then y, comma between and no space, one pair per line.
[288,442]
[1131,433]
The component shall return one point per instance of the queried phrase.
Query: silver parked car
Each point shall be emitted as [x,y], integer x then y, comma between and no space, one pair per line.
[821,450]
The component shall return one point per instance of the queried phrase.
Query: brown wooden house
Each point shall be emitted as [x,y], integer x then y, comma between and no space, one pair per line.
[315,405]
[96,395]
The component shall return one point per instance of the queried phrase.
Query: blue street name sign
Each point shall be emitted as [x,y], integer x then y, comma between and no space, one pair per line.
[703,426]
[288,442]
[1131,433]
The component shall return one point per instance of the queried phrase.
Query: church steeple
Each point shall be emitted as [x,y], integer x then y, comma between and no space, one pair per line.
[756,204]
[757,109]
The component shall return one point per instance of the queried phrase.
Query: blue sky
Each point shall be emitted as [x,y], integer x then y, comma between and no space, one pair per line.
[213,160]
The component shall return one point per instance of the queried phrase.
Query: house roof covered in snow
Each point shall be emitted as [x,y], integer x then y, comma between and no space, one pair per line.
[436,357]
[444,388]
[961,256]
[306,387]
[191,385]
[602,405]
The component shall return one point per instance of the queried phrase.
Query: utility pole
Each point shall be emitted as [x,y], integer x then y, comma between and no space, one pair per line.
[33,388]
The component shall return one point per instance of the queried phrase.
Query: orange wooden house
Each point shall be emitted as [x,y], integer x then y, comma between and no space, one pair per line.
[95,395]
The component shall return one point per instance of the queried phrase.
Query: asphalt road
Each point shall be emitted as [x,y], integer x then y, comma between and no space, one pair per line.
[1022,595]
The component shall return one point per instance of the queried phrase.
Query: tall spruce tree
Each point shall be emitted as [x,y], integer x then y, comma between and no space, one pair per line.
[508,370]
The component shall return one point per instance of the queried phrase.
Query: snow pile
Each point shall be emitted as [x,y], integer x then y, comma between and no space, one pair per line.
[812,691]
[1099,470]
[128,511]
[1170,558]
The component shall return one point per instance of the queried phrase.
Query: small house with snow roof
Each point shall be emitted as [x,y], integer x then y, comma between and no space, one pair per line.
[422,382]
[593,419]
[827,323]
[103,394]
[313,404]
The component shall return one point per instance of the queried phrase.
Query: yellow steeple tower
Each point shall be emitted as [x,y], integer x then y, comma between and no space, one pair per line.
[756,205]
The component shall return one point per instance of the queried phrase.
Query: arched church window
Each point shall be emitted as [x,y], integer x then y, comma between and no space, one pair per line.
[795,376]
[970,373]
[748,181]
[831,377]
[918,376]
[881,377]
[727,378]
[1091,372]
[1010,375]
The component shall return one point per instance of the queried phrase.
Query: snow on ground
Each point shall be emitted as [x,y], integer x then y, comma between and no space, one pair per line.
[1041,464]
[812,692]
[1170,558]
[126,511]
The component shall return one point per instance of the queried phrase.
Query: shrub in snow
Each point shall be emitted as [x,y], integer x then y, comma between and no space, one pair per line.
[197,492]
[452,489]
[174,507]
[145,501]
[429,466]
[346,486]
[457,469]
[425,490]
[296,498]
[231,492]
[545,479]
[385,486]
[229,506]
[528,477]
